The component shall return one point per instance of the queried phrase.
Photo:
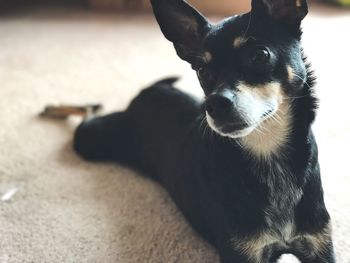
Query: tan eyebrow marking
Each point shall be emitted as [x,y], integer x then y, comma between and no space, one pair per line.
[239,41]
[291,73]
[208,56]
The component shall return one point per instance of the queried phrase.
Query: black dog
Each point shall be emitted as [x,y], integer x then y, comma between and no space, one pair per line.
[243,165]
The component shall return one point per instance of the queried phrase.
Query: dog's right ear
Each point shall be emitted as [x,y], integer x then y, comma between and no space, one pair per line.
[291,12]
[184,26]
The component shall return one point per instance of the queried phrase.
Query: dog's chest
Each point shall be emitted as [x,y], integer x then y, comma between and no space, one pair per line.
[283,195]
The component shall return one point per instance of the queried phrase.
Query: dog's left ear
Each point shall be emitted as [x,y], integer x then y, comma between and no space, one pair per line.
[287,11]
[183,25]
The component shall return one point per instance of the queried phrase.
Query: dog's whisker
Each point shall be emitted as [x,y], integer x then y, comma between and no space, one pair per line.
[238,143]
[258,129]
[208,130]
[202,122]
[296,97]
[303,79]
[221,85]
[275,118]
[204,126]
[248,27]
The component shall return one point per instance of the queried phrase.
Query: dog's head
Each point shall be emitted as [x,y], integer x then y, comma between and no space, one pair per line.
[248,65]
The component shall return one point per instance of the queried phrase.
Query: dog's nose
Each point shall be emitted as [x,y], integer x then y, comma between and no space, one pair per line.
[219,105]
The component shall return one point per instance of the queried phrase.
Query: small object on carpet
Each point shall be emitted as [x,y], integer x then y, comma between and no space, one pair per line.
[64,111]
[7,196]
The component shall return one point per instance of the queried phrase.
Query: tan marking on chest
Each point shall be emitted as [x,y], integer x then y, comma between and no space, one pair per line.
[319,241]
[253,247]
[271,134]
[274,131]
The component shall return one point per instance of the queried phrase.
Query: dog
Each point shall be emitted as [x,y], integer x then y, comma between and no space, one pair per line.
[242,165]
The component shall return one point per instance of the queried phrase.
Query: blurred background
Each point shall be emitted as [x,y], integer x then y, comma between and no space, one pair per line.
[54,207]
[207,6]
[219,6]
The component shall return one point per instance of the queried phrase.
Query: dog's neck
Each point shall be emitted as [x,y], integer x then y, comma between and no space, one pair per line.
[289,129]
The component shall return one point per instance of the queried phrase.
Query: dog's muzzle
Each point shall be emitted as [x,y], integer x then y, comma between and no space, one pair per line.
[222,113]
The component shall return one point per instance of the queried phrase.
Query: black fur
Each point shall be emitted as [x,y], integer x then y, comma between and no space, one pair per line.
[223,191]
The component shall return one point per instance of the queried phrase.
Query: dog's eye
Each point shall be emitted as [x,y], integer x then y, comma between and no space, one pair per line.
[260,55]
[204,74]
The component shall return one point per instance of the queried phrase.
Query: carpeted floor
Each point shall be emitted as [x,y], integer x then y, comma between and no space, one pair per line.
[55,207]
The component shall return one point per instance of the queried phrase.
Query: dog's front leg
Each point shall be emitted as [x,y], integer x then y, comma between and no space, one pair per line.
[320,255]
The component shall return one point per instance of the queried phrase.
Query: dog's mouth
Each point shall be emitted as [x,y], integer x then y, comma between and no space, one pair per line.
[237,129]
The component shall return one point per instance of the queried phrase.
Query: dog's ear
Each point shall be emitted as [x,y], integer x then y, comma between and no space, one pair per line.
[288,11]
[183,25]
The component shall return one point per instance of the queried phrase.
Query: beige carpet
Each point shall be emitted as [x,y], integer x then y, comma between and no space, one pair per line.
[54,207]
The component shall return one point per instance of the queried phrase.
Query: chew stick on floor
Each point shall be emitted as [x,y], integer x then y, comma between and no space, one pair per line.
[64,111]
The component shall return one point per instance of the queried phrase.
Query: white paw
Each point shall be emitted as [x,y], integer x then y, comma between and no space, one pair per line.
[288,258]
